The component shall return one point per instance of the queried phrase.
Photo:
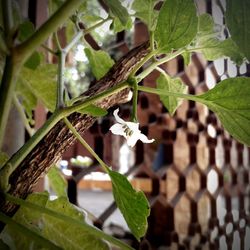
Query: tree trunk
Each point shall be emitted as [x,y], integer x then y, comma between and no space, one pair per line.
[54,144]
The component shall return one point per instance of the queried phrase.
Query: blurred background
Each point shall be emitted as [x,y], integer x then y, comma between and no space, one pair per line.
[195,176]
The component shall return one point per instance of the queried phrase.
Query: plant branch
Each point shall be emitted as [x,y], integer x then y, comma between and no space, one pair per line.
[8,23]
[90,229]
[60,79]
[25,49]
[165,59]
[86,145]
[19,228]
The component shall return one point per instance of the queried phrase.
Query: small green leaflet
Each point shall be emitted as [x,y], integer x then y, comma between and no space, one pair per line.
[100,62]
[3,158]
[144,9]
[57,181]
[213,48]
[175,85]
[117,26]
[133,205]
[33,61]
[230,101]
[25,30]
[117,10]
[177,25]
[94,111]
[41,83]
[187,57]
[28,99]
[238,23]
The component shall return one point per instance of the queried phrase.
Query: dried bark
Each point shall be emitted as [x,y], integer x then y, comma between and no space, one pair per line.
[54,144]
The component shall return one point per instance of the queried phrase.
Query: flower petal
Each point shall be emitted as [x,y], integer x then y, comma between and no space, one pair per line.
[117,129]
[118,119]
[145,139]
[131,140]
[133,126]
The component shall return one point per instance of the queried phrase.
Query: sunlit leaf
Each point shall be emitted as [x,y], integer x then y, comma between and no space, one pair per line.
[100,62]
[42,83]
[144,9]
[117,10]
[132,204]
[94,111]
[32,220]
[230,101]
[67,235]
[238,22]
[175,85]
[57,181]
[177,24]
[213,48]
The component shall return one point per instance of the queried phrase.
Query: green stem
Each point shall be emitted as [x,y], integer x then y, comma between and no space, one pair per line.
[86,227]
[22,115]
[168,93]
[85,144]
[8,23]
[25,49]
[143,61]
[48,49]
[60,80]
[79,35]
[135,100]
[7,88]
[19,228]
[152,41]
[148,70]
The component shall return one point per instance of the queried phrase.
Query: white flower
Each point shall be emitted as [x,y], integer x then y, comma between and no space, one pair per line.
[130,130]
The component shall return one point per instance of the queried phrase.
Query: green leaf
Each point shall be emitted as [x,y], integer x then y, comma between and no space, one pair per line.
[67,235]
[61,233]
[177,25]
[117,10]
[3,158]
[175,85]
[32,220]
[187,57]
[132,204]
[33,61]
[213,48]
[25,30]
[94,111]
[238,22]
[100,62]
[42,83]
[117,26]
[230,101]
[28,99]
[57,181]
[144,9]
